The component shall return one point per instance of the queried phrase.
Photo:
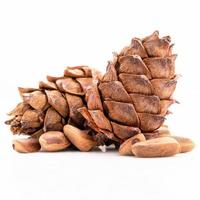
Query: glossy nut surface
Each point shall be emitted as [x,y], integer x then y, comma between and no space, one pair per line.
[79,138]
[186,144]
[125,147]
[53,141]
[158,147]
[27,145]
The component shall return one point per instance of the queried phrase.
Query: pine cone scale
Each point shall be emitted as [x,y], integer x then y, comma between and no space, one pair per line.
[138,85]
[52,105]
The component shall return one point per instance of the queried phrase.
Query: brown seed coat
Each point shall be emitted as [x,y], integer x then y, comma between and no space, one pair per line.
[27,145]
[158,147]
[186,144]
[79,138]
[53,141]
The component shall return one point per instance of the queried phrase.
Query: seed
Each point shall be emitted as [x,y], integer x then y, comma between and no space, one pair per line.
[53,141]
[158,147]
[79,138]
[163,131]
[125,147]
[27,145]
[186,144]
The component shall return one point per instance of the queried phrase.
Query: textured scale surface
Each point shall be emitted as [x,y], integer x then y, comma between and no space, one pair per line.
[53,104]
[135,91]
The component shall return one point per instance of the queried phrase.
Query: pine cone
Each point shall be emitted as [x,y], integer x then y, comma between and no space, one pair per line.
[53,104]
[131,98]
[134,94]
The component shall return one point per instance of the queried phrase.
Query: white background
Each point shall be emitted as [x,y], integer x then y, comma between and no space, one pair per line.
[42,37]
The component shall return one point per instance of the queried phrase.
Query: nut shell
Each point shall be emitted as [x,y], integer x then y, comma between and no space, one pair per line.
[158,147]
[125,147]
[186,144]
[79,138]
[53,141]
[27,145]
